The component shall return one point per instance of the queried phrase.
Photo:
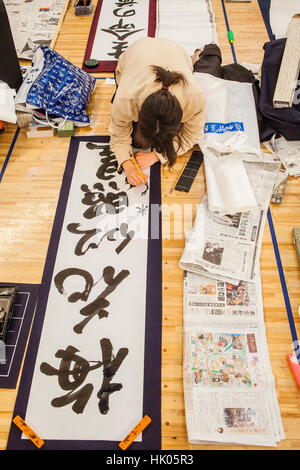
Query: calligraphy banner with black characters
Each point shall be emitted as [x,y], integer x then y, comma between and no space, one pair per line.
[117,24]
[93,366]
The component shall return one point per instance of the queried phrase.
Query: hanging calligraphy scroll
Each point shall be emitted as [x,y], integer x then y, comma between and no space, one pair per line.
[117,24]
[92,370]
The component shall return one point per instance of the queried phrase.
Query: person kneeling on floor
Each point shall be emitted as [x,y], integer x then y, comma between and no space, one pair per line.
[158,109]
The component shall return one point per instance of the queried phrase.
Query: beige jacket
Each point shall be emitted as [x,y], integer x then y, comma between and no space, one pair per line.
[135,81]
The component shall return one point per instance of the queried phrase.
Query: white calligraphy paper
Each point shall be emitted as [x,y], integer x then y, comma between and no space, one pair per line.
[191,23]
[99,199]
[119,25]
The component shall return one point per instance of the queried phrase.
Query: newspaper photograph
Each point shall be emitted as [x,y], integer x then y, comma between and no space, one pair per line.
[210,300]
[224,245]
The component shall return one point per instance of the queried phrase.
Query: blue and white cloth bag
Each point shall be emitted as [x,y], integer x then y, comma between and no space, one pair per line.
[56,86]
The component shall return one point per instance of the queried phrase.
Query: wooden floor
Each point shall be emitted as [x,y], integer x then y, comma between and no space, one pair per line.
[28,197]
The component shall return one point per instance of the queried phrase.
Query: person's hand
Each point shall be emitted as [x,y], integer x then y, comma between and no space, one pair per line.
[196,55]
[144,160]
[133,176]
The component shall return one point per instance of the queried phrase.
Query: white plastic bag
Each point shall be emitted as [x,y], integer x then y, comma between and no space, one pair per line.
[7,104]
[230,137]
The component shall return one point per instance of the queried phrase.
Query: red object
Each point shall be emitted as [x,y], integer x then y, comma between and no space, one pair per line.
[2,126]
[295,367]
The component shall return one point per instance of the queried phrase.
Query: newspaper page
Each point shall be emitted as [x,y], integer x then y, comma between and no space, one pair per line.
[229,245]
[33,23]
[229,388]
[289,154]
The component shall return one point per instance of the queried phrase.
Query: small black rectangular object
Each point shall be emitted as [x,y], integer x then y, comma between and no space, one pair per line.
[190,172]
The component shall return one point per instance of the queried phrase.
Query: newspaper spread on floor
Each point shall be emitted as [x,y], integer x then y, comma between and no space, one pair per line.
[229,388]
[229,245]
[228,383]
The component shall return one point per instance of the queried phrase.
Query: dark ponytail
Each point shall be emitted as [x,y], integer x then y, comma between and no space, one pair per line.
[161,114]
[166,77]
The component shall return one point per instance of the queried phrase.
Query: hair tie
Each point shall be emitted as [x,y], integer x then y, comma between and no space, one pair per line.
[164,87]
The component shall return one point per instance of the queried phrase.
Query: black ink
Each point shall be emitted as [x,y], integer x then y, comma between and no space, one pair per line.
[87,234]
[113,185]
[60,278]
[119,49]
[99,305]
[127,235]
[78,373]
[110,235]
[109,162]
[112,203]
[122,31]
[73,371]
[111,365]
[123,14]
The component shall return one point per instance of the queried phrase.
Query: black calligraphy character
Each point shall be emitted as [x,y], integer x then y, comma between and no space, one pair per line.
[71,378]
[87,234]
[119,49]
[99,305]
[73,371]
[128,236]
[110,235]
[120,9]
[125,3]
[122,31]
[109,163]
[111,365]
[60,278]
[113,203]
[113,185]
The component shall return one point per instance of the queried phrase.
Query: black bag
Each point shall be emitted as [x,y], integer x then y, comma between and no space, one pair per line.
[284,121]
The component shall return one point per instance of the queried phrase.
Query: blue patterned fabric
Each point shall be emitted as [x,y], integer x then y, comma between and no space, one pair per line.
[61,88]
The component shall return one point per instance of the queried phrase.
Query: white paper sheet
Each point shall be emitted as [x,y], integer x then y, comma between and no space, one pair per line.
[191,23]
[7,104]
[280,15]
[228,186]
[124,325]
